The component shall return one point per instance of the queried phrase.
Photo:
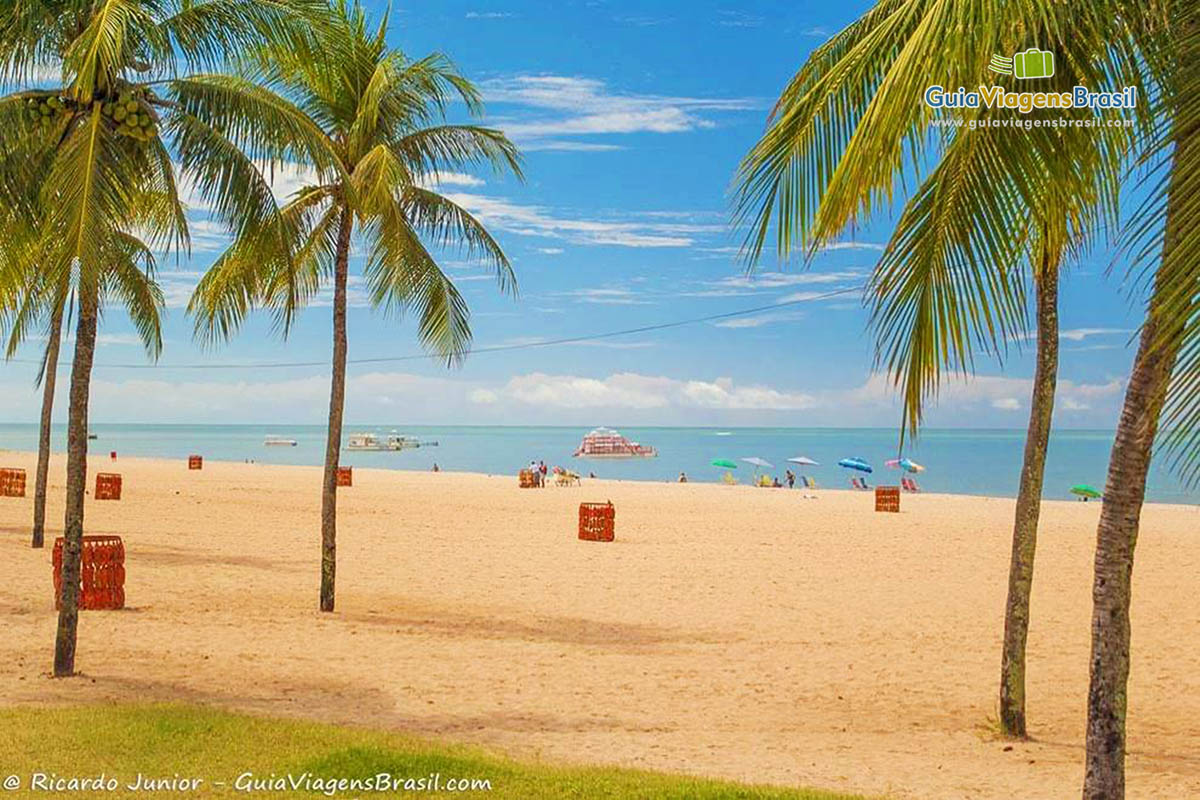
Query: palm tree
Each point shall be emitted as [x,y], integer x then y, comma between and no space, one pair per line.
[15,243]
[950,279]
[57,301]
[868,78]
[47,378]
[1164,382]
[93,149]
[382,121]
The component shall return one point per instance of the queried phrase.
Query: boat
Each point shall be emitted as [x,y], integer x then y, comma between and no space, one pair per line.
[279,441]
[608,443]
[393,441]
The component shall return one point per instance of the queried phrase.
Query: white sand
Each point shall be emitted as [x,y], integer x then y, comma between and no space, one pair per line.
[735,632]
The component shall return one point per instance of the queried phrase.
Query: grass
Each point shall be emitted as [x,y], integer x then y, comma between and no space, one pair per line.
[174,741]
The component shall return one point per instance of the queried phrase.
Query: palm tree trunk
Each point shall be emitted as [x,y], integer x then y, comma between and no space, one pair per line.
[49,373]
[1029,500]
[337,401]
[77,427]
[1116,534]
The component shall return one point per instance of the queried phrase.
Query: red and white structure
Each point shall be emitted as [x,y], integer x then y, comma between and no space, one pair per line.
[607,443]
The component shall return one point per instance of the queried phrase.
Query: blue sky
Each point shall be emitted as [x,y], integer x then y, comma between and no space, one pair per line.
[632,118]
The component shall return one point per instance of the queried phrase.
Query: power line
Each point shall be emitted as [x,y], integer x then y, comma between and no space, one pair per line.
[479,350]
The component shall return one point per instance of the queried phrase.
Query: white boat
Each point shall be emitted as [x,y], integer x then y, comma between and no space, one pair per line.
[607,443]
[393,441]
[279,441]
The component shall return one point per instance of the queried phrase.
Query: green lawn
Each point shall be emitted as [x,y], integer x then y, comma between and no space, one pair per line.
[119,742]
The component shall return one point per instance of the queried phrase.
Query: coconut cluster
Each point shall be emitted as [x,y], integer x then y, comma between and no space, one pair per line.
[45,109]
[131,116]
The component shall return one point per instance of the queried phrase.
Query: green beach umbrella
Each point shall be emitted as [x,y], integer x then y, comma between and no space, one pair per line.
[1085,490]
[724,463]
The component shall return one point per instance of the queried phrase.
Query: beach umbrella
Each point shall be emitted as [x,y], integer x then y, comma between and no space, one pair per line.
[724,463]
[803,461]
[859,464]
[906,464]
[1085,490]
[758,462]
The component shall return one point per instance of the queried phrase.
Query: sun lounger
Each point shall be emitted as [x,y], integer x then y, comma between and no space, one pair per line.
[860,484]
[807,482]
[909,485]
[728,479]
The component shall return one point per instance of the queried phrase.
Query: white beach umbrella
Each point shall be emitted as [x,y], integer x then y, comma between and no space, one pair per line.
[804,461]
[759,462]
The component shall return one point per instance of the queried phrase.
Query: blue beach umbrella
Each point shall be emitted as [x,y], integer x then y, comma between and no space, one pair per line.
[859,464]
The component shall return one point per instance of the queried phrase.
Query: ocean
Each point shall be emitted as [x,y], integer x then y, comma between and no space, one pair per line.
[960,461]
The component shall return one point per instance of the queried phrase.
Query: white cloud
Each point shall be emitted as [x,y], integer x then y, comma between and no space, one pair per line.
[607,297]
[177,285]
[454,179]
[568,146]
[738,19]
[260,395]
[853,246]
[523,220]
[760,320]
[118,340]
[489,14]
[642,392]
[566,106]
[739,285]
[833,291]
[1079,334]
[973,395]
[550,251]
[208,236]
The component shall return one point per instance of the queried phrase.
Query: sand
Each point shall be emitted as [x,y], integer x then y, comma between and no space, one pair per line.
[729,631]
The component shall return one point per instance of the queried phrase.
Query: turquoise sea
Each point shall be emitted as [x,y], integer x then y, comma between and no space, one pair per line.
[983,462]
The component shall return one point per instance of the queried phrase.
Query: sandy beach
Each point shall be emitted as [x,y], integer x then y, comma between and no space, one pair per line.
[729,631]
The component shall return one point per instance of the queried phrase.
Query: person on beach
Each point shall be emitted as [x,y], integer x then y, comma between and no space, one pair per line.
[791,479]
[436,468]
[542,471]
[683,477]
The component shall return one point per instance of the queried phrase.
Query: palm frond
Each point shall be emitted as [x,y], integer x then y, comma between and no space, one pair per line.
[129,281]
[402,277]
